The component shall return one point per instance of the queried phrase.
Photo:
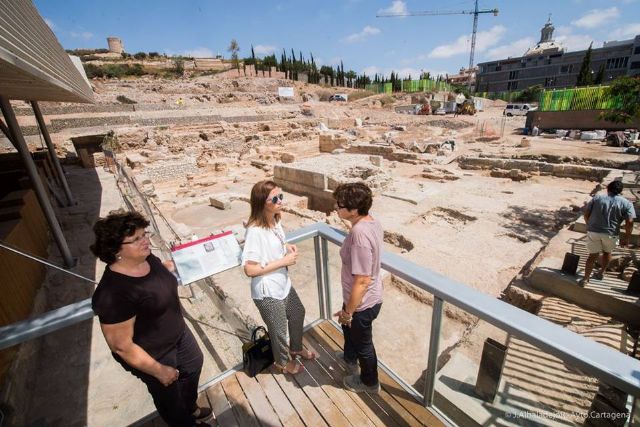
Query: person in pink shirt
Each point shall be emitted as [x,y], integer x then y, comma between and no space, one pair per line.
[361,285]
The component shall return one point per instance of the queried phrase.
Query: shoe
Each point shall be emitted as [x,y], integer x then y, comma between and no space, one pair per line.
[599,275]
[354,383]
[583,282]
[352,368]
[298,367]
[202,413]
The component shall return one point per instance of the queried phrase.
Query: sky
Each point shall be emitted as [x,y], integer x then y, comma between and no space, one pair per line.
[341,30]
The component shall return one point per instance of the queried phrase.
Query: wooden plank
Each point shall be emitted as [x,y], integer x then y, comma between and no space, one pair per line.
[367,405]
[400,394]
[261,406]
[299,400]
[320,400]
[203,402]
[239,403]
[279,401]
[336,393]
[401,415]
[220,405]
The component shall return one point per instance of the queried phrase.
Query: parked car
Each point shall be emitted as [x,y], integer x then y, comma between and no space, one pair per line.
[338,97]
[517,110]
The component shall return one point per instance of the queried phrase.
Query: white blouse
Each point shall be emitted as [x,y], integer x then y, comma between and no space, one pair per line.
[264,245]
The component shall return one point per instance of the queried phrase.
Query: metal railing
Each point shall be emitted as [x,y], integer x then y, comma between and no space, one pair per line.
[610,366]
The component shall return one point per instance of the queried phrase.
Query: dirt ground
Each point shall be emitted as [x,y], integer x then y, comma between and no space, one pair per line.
[464,224]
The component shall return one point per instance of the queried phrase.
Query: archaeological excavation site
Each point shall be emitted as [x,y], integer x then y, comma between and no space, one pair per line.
[484,321]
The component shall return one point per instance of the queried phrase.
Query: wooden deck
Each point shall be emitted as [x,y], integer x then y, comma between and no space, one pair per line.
[312,398]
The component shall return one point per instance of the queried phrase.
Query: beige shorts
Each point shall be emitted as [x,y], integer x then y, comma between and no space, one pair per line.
[601,242]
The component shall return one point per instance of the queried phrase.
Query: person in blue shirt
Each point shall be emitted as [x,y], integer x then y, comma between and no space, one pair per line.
[604,215]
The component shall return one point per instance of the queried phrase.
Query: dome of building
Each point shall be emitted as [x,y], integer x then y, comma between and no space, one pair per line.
[546,45]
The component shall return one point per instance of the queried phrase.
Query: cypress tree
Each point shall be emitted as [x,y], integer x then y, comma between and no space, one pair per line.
[584,76]
[600,76]
[255,63]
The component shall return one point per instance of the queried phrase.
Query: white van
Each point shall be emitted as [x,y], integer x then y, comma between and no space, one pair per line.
[517,110]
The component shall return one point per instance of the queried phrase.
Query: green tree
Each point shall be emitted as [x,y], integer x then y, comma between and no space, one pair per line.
[269,62]
[627,89]
[178,65]
[140,56]
[600,76]
[234,48]
[584,76]
[530,94]
[254,61]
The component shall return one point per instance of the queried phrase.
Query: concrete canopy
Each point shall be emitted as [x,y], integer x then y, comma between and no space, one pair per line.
[33,64]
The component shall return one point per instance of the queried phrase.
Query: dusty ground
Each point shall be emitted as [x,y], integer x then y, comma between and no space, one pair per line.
[466,225]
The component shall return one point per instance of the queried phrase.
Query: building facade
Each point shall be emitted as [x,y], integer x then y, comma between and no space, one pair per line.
[548,65]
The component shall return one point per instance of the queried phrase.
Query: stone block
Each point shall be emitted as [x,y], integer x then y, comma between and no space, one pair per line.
[287,158]
[376,160]
[330,141]
[220,201]
[308,178]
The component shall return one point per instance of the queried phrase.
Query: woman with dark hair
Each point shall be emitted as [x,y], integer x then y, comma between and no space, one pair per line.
[141,319]
[361,285]
[266,258]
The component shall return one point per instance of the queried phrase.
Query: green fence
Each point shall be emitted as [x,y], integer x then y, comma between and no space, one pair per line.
[410,86]
[580,98]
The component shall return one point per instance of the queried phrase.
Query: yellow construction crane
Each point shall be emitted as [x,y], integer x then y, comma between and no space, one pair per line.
[474,12]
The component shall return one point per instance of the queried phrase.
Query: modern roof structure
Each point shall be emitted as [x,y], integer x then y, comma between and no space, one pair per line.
[33,64]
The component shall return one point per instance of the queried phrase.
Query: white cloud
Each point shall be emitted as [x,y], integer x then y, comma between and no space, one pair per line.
[199,52]
[262,49]
[50,23]
[83,35]
[362,35]
[371,70]
[398,7]
[516,48]
[597,17]
[576,41]
[626,32]
[484,40]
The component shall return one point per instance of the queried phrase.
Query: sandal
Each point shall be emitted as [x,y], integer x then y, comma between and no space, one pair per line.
[305,354]
[299,367]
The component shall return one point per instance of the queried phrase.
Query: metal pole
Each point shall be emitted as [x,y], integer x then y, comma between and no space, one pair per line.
[325,276]
[30,166]
[52,152]
[434,348]
[320,276]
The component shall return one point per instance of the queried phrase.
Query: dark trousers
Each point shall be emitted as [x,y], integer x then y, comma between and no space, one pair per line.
[358,344]
[176,402]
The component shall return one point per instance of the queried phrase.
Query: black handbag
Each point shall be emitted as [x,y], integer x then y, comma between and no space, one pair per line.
[257,354]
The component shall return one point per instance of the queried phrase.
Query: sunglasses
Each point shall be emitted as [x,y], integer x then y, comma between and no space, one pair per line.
[275,199]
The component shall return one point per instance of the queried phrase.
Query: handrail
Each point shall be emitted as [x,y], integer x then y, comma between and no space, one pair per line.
[593,358]
[613,367]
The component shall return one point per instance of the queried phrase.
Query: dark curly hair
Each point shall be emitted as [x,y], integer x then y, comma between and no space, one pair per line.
[111,231]
[354,195]
[615,187]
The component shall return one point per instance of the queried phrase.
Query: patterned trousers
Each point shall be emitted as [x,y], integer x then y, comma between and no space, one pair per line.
[280,316]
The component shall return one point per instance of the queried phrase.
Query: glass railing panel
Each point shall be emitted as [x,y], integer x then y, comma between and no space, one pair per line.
[486,376]
[304,280]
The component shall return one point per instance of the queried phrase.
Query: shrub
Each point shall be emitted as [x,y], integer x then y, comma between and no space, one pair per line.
[113,70]
[140,56]
[323,95]
[359,94]
[387,100]
[530,94]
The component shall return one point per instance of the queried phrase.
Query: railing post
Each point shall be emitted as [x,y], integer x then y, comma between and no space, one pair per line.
[320,276]
[434,344]
[325,277]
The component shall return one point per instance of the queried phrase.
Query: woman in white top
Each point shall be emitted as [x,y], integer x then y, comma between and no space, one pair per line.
[266,258]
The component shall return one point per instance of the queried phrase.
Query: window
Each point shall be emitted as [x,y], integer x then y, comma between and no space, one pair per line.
[549,81]
[636,51]
[613,63]
[513,75]
[512,85]
[566,69]
[498,68]
[635,65]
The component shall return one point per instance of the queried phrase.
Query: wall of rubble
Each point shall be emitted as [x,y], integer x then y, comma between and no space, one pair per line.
[543,168]
[171,171]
